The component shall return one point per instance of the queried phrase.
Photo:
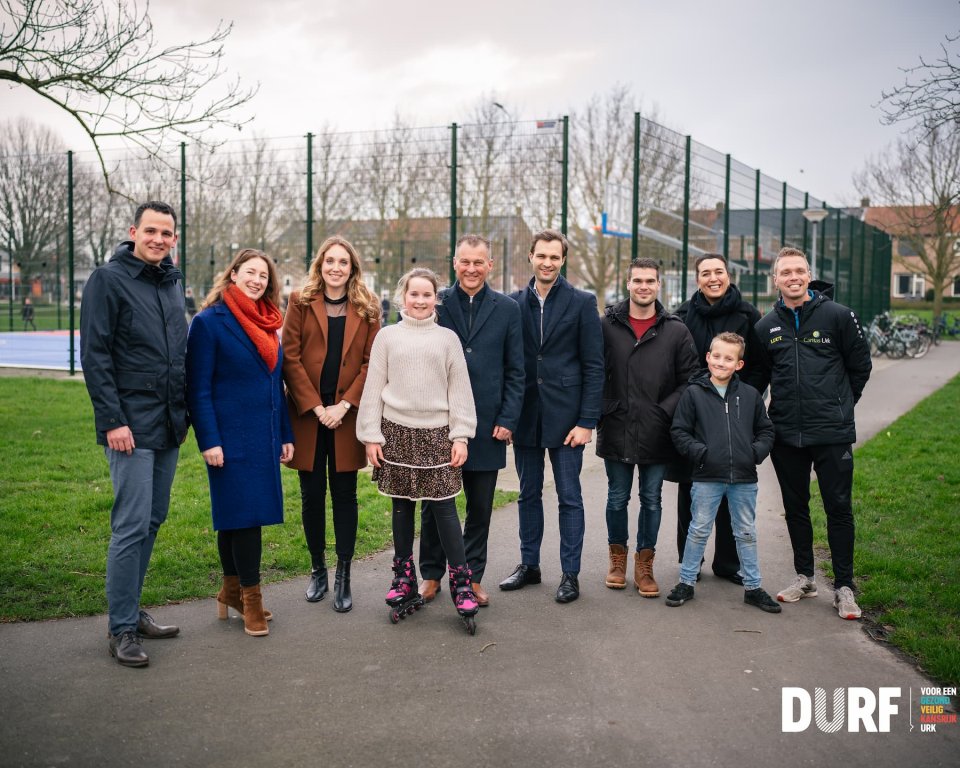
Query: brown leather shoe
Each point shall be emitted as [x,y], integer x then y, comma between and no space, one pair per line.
[482,597]
[617,574]
[643,573]
[429,589]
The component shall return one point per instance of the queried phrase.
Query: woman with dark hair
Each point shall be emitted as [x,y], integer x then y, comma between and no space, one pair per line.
[237,407]
[327,336]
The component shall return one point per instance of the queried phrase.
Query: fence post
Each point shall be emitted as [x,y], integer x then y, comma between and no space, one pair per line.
[10,271]
[182,240]
[806,204]
[860,271]
[783,217]
[70,255]
[309,254]
[686,220]
[453,198]
[726,212]
[756,239]
[59,289]
[635,223]
[565,183]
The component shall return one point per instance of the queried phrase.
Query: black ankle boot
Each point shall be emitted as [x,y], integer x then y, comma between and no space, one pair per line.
[342,599]
[318,585]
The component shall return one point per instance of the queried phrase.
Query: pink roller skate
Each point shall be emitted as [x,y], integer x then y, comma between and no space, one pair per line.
[464,597]
[403,597]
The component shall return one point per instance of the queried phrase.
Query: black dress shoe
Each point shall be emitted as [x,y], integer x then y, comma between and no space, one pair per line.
[318,585]
[521,576]
[126,649]
[147,627]
[569,589]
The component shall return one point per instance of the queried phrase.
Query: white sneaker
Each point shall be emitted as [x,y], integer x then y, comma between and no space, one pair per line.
[803,586]
[845,604]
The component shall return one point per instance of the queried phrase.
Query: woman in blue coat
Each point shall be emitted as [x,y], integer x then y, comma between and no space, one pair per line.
[239,414]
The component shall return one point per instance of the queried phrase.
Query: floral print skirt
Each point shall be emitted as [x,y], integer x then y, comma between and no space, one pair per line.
[416,463]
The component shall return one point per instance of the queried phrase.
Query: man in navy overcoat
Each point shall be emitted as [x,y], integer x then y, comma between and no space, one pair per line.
[488,324]
[563,354]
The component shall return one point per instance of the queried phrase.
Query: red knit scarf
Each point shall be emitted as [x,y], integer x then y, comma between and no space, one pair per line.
[259,319]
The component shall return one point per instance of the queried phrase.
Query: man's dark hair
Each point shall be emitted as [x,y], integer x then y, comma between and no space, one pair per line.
[704,257]
[644,263]
[154,205]
[549,235]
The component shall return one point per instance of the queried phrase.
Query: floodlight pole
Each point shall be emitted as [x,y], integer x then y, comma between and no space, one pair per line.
[814,216]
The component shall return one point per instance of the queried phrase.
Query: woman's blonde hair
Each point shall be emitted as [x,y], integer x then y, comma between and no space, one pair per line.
[271,294]
[362,299]
[404,281]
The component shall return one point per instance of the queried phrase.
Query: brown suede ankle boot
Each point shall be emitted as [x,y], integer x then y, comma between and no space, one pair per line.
[617,575]
[254,622]
[229,597]
[643,574]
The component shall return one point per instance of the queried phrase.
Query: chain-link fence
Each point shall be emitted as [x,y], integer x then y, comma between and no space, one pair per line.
[403,195]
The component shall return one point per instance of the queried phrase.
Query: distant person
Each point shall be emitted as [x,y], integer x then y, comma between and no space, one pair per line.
[327,336]
[239,415]
[26,314]
[416,416]
[649,357]
[488,326]
[563,358]
[385,310]
[715,307]
[190,302]
[816,360]
[722,428]
[133,343]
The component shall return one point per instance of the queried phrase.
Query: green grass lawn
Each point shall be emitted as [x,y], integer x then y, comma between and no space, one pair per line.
[907,509]
[55,513]
[44,316]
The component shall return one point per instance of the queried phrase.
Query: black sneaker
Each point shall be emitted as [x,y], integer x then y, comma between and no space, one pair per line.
[757,597]
[679,595]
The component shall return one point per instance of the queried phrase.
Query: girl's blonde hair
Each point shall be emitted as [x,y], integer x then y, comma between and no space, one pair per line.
[362,299]
[404,281]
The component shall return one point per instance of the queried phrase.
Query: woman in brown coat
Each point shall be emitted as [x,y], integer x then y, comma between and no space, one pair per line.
[327,334]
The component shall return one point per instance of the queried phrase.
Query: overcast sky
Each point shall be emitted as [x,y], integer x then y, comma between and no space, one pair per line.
[784,86]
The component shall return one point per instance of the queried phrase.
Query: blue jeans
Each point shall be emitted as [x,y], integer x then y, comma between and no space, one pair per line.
[566,462]
[141,500]
[619,485]
[742,500]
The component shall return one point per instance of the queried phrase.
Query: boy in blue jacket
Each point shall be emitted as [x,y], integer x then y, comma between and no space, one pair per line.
[722,428]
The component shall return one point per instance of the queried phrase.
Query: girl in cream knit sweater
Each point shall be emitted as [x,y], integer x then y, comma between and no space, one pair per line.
[416,416]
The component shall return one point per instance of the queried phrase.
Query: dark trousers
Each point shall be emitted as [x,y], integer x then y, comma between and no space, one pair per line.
[566,462]
[313,502]
[446,525]
[726,562]
[240,552]
[478,488]
[834,467]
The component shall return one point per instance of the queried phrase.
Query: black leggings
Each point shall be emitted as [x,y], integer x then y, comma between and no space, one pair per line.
[313,502]
[240,551]
[448,526]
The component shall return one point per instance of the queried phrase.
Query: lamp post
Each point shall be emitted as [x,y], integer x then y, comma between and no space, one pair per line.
[814,216]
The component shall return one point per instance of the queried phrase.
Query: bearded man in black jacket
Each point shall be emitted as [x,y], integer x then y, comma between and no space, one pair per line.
[715,308]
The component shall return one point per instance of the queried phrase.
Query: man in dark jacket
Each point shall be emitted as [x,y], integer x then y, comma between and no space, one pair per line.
[649,356]
[133,340]
[488,324]
[563,359]
[816,360]
[716,307]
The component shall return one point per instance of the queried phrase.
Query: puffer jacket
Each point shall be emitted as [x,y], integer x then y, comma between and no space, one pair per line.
[643,381]
[816,360]
[724,438]
[133,347]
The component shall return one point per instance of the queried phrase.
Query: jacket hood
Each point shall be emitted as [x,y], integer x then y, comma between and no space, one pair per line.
[123,253]
[703,379]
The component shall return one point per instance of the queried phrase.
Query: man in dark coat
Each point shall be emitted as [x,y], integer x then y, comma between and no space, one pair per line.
[649,356]
[488,324]
[563,356]
[816,359]
[716,307]
[133,341]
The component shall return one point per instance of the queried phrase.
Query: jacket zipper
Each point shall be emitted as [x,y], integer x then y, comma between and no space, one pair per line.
[726,410]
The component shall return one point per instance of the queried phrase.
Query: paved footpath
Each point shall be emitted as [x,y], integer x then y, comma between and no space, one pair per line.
[612,679]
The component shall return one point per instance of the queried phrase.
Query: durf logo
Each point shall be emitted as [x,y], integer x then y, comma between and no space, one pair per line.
[853,710]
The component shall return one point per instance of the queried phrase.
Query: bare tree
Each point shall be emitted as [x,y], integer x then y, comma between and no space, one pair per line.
[919,177]
[930,93]
[333,191]
[102,64]
[32,195]
[485,149]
